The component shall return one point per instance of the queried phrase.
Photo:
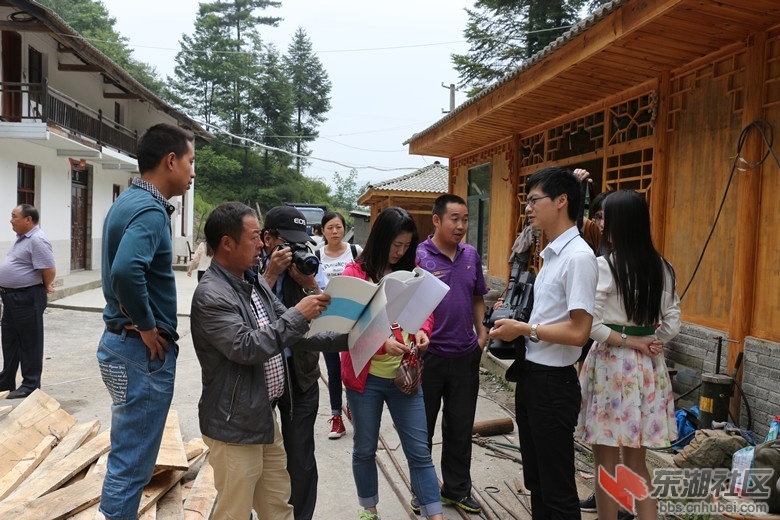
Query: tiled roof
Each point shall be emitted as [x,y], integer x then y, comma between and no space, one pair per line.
[580,27]
[431,179]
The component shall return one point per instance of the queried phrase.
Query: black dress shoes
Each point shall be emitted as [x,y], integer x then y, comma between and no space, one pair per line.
[18,394]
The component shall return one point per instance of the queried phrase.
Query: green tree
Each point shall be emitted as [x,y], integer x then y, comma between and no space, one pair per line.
[200,69]
[91,19]
[272,97]
[504,33]
[201,211]
[216,174]
[311,92]
[347,192]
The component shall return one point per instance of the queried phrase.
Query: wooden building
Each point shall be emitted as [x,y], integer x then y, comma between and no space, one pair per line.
[677,99]
[415,192]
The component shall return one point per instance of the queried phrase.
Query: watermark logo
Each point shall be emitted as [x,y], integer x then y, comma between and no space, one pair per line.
[684,491]
[626,487]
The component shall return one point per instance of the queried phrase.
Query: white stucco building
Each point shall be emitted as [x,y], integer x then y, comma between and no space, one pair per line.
[69,123]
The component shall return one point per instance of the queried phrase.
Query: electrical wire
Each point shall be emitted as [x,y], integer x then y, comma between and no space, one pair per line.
[331,51]
[293,154]
[755,125]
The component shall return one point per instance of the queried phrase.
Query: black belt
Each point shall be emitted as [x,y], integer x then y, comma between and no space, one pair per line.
[9,290]
[132,333]
[530,366]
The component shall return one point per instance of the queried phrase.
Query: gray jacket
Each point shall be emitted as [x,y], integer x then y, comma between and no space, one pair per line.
[231,348]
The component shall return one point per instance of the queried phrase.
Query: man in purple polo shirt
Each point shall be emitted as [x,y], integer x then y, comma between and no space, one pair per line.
[452,360]
[26,277]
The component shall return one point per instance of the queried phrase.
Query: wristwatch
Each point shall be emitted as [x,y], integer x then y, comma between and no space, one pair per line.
[623,338]
[533,337]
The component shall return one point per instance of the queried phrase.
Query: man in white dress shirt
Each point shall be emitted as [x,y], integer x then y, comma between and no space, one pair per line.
[560,323]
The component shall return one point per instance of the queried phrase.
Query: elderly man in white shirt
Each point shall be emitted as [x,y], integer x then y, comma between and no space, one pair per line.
[559,325]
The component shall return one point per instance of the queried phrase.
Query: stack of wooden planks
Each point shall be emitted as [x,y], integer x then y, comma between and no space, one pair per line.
[52,467]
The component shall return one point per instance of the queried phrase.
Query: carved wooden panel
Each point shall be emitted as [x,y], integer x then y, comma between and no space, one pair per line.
[532,150]
[633,119]
[577,137]
[729,68]
[772,73]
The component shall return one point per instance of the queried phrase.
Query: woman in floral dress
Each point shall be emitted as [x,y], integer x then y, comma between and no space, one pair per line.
[627,401]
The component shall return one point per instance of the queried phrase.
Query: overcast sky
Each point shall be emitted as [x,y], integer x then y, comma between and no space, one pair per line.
[386,61]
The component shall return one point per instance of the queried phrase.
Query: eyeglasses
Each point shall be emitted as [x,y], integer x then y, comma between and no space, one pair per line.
[531,201]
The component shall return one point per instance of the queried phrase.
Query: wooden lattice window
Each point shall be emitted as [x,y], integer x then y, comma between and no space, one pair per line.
[630,171]
[532,150]
[577,137]
[633,119]
[772,80]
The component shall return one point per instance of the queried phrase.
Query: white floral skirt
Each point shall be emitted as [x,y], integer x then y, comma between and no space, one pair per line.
[627,399]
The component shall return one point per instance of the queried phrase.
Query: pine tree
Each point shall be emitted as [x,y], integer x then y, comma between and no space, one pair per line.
[502,34]
[311,91]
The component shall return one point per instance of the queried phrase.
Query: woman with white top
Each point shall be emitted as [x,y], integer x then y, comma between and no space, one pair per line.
[200,260]
[627,401]
[334,256]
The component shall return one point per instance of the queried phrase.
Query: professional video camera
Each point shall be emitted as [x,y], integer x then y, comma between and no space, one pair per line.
[306,262]
[517,306]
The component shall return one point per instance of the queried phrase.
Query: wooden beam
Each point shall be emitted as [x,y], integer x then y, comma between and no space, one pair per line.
[203,495]
[33,419]
[120,95]
[660,183]
[43,483]
[74,67]
[747,218]
[76,437]
[160,484]
[6,25]
[171,505]
[61,503]
[92,512]
[172,454]
[23,468]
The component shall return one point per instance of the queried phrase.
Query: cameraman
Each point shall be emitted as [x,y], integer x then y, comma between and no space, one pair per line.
[285,225]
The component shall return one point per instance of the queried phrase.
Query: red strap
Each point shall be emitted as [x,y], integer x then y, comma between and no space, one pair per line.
[398,333]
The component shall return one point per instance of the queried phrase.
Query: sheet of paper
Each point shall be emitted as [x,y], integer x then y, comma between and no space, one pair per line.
[426,293]
[366,310]
[349,296]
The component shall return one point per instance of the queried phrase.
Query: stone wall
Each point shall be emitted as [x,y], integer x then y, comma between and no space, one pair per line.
[693,353]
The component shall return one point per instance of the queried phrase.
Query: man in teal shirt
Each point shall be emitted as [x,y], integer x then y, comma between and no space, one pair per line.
[137,353]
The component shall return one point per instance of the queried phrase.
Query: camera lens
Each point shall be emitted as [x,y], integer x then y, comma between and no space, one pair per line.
[306,262]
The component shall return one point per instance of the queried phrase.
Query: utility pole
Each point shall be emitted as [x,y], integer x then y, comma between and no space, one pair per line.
[452,97]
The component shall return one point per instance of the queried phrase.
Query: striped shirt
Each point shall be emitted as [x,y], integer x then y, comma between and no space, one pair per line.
[274,367]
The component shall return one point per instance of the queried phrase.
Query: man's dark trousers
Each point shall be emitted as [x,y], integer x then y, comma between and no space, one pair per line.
[456,382]
[547,402]
[23,337]
[298,434]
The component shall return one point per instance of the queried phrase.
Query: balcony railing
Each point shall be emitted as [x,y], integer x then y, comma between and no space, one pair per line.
[39,102]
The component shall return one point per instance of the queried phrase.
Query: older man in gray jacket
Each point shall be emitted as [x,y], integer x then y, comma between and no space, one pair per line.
[240,329]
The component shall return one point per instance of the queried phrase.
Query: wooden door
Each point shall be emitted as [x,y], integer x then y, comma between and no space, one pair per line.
[78,220]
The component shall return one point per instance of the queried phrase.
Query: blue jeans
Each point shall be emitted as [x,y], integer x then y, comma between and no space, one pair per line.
[141,391]
[333,363]
[408,413]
